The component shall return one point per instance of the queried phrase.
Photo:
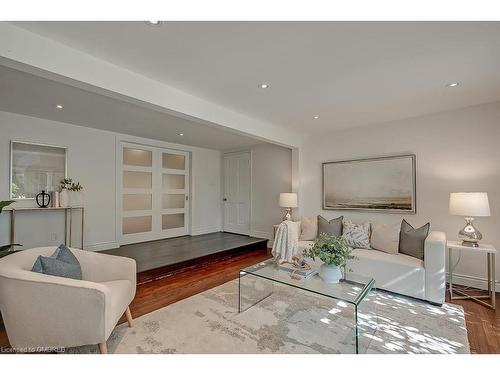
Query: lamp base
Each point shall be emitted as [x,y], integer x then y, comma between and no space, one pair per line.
[288,215]
[469,234]
[470,243]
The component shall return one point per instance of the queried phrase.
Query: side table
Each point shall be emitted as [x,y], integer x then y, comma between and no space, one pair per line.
[490,252]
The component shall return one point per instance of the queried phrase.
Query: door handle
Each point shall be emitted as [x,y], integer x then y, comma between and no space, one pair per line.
[225,199]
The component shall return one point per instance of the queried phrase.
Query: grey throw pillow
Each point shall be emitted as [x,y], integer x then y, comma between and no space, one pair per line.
[412,241]
[332,227]
[64,254]
[61,263]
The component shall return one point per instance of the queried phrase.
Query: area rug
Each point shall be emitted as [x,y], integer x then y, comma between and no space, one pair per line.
[291,321]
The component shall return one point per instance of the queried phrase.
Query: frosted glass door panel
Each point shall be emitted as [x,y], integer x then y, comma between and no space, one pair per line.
[136,157]
[153,195]
[173,181]
[137,180]
[137,224]
[173,201]
[172,221]
[136,202]
[172,161]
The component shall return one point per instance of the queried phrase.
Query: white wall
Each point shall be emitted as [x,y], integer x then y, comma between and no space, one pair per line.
[456,151]
[91,160]
[271,175]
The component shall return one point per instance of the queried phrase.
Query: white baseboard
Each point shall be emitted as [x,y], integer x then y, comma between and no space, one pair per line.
[205,229]
[101,246]
[472,281]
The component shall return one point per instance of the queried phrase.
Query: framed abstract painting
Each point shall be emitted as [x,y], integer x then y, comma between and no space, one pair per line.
[385,184]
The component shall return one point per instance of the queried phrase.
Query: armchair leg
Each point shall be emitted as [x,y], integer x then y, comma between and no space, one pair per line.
[128,314]
[103,348]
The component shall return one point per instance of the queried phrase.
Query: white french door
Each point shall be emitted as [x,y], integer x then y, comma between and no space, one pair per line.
[153,184]
[237,180]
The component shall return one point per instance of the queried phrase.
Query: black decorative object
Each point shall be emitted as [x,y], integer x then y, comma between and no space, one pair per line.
[43,199]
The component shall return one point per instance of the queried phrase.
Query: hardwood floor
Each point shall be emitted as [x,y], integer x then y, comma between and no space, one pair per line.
[156,294]
[483,324]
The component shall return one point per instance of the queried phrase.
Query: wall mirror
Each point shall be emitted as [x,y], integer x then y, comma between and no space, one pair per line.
[35,167]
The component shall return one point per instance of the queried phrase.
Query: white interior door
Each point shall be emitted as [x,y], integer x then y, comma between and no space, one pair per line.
[237,193]
[153,188]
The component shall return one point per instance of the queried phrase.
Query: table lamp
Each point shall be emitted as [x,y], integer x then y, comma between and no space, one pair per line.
[469,205]
[288,201]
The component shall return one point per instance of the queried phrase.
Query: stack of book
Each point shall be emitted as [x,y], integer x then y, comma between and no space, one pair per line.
[300,271]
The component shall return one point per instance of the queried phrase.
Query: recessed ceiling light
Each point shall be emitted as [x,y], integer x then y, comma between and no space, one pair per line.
[315,117]
[59,106]
[153,23]
[453,84]
[180,134]
[263,85]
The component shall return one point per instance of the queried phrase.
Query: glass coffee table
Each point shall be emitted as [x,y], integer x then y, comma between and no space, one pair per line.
[350,293]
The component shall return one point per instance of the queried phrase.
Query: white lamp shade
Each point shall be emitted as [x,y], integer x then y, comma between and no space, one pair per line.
[469,204]
[288,200]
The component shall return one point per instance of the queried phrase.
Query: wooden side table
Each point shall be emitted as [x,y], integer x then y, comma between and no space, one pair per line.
[490,252]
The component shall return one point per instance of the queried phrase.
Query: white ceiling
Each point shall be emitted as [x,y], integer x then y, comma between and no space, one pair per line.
[35,96]
[349,73]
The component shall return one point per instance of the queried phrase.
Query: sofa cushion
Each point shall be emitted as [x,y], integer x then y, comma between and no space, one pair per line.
[411,240]
[309,228]
[397,273]
[332,227]
[385,238]
[356,235]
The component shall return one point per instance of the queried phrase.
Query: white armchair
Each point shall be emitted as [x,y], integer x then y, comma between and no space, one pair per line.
[49,311]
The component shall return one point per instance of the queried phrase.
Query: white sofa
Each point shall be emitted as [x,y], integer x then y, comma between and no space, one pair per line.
[49,311]
[399,273]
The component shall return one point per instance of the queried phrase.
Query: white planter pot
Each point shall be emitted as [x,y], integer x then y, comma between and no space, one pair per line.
[330,274]
[64,198]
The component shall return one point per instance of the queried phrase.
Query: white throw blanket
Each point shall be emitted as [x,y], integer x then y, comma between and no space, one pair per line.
[285,244]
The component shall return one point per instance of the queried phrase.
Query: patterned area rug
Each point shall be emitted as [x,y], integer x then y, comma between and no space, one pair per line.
[291,321]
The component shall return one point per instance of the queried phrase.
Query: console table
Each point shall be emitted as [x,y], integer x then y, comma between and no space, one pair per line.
[490,253]
[68,213]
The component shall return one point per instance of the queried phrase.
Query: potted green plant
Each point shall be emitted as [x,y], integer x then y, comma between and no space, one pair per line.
[70,193]
[334,253]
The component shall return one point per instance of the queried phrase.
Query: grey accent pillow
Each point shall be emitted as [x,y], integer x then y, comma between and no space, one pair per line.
[61,263]
[412,241]
[332,227]
[64,254]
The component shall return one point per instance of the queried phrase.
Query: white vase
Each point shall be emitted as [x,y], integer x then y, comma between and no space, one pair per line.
[330,274]
[64,198]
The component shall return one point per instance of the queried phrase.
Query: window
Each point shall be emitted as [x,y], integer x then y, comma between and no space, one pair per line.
[35,168]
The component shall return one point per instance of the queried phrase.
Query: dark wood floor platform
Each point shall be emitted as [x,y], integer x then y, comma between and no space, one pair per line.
[164,253]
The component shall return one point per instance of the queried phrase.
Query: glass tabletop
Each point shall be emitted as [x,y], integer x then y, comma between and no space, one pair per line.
[352,289]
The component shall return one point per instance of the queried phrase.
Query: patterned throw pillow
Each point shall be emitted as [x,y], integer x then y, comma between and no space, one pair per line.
[356,235]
